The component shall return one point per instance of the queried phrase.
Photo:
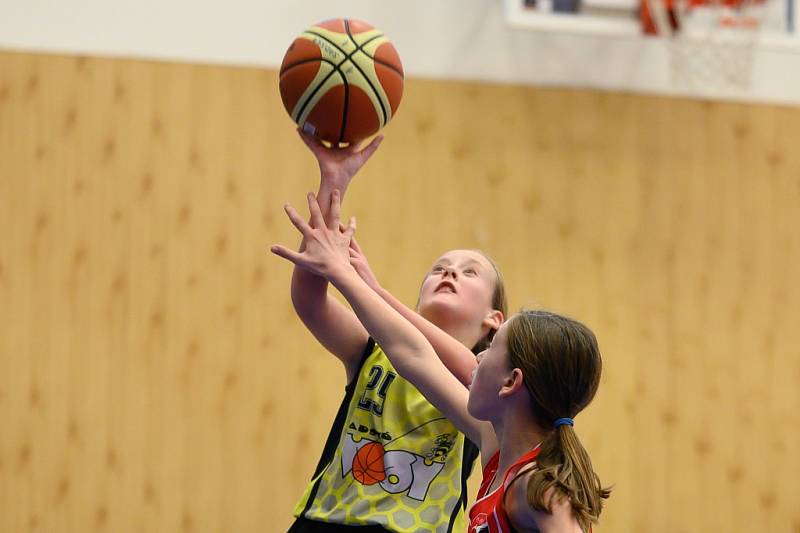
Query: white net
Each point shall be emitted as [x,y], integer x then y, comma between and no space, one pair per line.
[714,45]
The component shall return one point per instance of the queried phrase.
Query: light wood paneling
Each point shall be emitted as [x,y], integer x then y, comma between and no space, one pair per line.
[153,376]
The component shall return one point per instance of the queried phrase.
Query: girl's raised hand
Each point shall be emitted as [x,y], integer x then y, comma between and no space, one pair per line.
[339,164]
[326,246]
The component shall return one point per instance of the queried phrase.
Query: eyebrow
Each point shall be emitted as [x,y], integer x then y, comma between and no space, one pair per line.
[469,261]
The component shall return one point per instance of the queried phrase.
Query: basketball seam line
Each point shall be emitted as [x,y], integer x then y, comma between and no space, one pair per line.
[345,106]
[363,74]
[316,89]
[304,61]
[360,48]
[375,59]
[379,458]
[385,64]
[349,57]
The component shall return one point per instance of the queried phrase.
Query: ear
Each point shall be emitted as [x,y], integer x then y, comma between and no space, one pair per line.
[512,384]
[493,319]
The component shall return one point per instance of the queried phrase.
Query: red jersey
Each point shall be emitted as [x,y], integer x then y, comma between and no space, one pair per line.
[487,515]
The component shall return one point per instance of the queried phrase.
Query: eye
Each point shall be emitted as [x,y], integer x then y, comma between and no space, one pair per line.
[437,268]
[470,271]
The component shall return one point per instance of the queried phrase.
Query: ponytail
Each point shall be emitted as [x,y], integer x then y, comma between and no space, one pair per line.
[564,470]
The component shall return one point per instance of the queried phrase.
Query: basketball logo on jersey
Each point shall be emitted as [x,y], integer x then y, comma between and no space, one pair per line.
[396,471]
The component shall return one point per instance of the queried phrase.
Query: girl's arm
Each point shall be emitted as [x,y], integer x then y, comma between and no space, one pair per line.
[456,357]
[326,254]
[332,324]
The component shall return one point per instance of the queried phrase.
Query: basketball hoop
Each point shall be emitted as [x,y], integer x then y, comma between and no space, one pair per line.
[711,43]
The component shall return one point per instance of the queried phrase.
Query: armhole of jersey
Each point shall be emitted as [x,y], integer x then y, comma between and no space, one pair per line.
[338,425]
[471,453]
[521,471]
[368,349]
[491,463]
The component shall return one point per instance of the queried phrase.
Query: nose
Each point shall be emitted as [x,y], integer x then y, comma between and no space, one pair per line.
[450,271]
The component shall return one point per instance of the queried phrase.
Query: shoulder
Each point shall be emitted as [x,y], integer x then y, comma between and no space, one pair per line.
[515,502]
[525,518]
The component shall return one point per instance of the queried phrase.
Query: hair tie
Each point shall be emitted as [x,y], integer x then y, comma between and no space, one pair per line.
[564,421]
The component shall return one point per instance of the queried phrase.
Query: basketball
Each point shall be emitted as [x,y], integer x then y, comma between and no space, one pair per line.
[368,464]
[341,80]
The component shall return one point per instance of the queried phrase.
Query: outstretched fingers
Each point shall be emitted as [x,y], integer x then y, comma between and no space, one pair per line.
[349,231]
[367,152]
[317,220]
[286,253]
[335,211]
[354,244]
[296,219]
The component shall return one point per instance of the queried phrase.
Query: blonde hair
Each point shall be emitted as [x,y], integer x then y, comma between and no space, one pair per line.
[561,367]
[498,302]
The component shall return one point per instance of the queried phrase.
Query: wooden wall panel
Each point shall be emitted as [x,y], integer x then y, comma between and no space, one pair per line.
[153,376]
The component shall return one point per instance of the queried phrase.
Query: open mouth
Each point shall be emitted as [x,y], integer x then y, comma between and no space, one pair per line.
[445,286]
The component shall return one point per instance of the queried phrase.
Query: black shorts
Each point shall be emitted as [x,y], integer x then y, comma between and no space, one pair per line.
[304,525]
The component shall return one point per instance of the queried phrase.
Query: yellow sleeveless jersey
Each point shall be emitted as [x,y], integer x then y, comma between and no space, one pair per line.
[391,459]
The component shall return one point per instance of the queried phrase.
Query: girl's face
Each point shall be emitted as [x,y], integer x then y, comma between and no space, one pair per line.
[489,377]
[459,286]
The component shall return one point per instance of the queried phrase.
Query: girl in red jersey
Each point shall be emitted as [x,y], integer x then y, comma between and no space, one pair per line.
[540,370]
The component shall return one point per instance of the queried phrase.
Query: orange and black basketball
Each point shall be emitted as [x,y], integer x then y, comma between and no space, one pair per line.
[341,80]
[368,464]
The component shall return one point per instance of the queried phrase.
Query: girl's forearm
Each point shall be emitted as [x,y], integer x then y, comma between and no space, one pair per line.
[400,340]
[458,359]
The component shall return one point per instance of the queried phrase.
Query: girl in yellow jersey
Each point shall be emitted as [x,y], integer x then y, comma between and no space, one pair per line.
[540,370]
[392,461]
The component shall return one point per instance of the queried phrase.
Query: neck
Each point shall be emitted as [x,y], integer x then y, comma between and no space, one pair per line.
[461,330]
[517,434]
